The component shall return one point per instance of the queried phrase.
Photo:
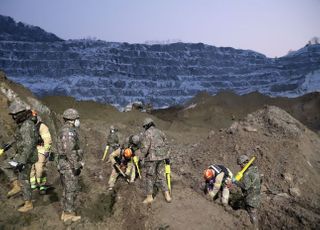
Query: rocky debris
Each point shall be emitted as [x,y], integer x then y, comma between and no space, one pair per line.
[283,151]
[295,192]
[274,142]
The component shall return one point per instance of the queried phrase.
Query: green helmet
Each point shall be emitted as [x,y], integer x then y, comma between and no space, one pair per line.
[242,159]
[71,114]
[17,107]
[147,121]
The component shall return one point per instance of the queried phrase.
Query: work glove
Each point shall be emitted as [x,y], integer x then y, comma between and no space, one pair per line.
[167,160]
[51,156]
[20,167]
[46,154]
[76,172]
[234,181]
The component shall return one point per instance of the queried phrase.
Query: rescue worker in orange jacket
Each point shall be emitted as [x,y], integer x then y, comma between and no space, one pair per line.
[218,178]
[122,159]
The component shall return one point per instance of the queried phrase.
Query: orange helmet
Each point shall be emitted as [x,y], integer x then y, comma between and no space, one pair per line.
[208,174]
[128,153]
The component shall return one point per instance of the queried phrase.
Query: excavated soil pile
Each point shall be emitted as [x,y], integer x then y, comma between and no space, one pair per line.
[200,134]
[288,156]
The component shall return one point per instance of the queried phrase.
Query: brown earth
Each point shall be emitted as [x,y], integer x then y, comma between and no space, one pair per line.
[209,129]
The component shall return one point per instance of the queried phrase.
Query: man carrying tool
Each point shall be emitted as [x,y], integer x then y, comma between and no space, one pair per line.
[26,142]
[112,142]
[38,177]
[218,178]
[250,185]
[155,150]
[124,161]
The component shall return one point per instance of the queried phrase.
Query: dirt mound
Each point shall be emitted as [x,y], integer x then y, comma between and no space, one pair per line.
[207,130]
[287,156]
[221,110]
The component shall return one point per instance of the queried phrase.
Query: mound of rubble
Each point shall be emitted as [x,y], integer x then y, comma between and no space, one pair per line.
[288,156]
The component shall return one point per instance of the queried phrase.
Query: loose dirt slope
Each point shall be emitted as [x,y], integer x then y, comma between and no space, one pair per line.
[208,130]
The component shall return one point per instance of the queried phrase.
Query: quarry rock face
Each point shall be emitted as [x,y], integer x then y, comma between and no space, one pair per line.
[163,75]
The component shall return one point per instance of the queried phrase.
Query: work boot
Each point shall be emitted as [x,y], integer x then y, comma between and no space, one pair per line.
[26,207]
[70,216]
[167,196]
[16,188]
[43,190]
[227,207]
[148,200]
[62,216]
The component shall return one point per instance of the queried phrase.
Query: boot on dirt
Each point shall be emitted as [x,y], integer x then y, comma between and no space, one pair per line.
[26,207]
[62,216]
[167,196]
[148,200]
[227,207]
[70,216]
[16,188]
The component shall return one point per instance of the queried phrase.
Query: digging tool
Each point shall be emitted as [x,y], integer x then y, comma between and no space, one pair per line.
[6,147]
[136,162]
[240,174]
[105,153]
[121,172]
[168,176]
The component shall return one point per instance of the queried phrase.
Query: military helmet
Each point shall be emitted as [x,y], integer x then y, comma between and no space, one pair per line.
[17,107]
[71,114]
[242,159]
[135,139]
[147,121]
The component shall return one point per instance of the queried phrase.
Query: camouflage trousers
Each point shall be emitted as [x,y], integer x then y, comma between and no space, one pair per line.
[8,170]
[155,175]
[70,185]
[253,214]
[24,178]
[130,172]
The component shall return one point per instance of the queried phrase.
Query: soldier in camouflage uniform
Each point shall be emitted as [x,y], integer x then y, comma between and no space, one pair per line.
[250,186]
[26,155]
[112,141]
[122,159]
[155,150]
[69,163]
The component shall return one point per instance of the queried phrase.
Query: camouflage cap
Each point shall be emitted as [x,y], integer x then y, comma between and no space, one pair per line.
[17,107]
[147,121]
[71,114]
[242,159]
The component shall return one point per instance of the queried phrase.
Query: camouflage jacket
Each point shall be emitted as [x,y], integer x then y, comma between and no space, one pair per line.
[154,145]
[113,140]
[250,186]
[26,142]
[69,146]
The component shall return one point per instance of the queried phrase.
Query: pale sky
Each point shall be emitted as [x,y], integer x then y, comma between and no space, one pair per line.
[271,27]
